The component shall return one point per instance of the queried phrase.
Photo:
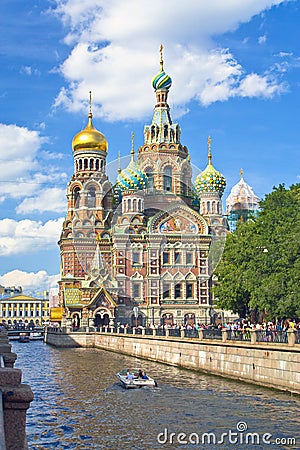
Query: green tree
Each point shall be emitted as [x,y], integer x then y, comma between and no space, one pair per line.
[260,267]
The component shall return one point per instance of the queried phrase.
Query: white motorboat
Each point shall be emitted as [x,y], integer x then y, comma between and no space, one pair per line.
[135,378]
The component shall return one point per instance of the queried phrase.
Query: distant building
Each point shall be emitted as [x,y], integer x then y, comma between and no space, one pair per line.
[25,309]
[241,203]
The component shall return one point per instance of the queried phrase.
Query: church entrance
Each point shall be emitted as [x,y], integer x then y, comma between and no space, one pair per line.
[101,319]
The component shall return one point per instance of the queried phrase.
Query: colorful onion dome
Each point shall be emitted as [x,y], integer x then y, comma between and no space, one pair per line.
[131,178]
[161,80]
[210,180]
[89,138]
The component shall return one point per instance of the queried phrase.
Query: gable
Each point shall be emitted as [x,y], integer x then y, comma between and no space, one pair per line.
[102,298]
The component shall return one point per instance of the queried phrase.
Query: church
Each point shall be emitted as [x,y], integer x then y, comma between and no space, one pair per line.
[140,249]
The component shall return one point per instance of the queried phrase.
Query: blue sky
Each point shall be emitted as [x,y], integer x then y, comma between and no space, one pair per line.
[235,71]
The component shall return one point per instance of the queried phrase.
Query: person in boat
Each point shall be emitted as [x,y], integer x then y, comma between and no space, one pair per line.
[129,376]
[143,375]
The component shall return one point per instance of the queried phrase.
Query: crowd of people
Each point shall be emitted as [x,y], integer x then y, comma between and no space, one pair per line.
[236,325]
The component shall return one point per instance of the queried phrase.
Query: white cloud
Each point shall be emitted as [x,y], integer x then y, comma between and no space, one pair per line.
[28,70]
[255,86]
[25,173]
[262,39]
[24,236]
[49,199]
[115,49]
[29,280]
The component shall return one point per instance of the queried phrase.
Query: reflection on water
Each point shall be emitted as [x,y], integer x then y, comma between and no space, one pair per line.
[79,404]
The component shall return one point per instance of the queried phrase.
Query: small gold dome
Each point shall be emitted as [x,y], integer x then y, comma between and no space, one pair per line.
[89,138]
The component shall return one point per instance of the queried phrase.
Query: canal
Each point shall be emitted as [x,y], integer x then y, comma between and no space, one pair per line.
[80,405]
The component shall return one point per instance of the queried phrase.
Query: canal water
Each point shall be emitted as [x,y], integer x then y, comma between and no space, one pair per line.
[79,404]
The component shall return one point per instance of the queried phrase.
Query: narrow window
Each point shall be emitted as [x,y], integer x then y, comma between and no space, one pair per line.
[166,290]
[136,290]
[189,290]
[166,258]
[135,258]
[168,178]
[178,290]
[177,257]
[189,258]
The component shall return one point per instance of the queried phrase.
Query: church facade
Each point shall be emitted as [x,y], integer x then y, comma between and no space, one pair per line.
[140,249]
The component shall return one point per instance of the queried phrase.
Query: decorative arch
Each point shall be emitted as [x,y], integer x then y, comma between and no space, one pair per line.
[193,223]
[190,277]
[167,277]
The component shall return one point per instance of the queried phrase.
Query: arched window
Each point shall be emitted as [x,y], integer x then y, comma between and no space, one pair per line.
[91,197]
[168,178]
[80,164]
[165,131]
[76,194]
[85,163]
[97,164]
[150,177]
[152,132]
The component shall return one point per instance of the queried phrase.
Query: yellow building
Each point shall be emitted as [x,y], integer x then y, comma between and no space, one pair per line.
[24,308]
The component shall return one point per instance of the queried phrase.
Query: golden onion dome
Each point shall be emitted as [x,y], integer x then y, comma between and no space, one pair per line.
[89,138]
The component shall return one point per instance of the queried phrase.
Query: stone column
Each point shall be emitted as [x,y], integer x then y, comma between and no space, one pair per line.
[200,334]
[253,336]
[16,399]
[291,337]
[224,335]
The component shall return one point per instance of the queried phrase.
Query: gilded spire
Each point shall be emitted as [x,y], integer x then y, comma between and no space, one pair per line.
[241,173]
[132,147]
[90,113]
[119,161]
[209,149]
[161,57]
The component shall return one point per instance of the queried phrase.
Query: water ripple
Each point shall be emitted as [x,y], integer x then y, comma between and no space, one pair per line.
[79,404]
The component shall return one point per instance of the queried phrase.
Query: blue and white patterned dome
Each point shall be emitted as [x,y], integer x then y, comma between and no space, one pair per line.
[131,178]
[161,81]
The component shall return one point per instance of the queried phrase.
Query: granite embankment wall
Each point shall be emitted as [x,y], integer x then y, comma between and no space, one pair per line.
[268,364]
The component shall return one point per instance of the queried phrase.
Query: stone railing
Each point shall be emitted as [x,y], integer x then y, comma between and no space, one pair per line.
[16,398]
[289,337]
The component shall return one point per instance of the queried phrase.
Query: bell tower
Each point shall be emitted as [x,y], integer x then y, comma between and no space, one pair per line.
[163,158]
[86,229]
